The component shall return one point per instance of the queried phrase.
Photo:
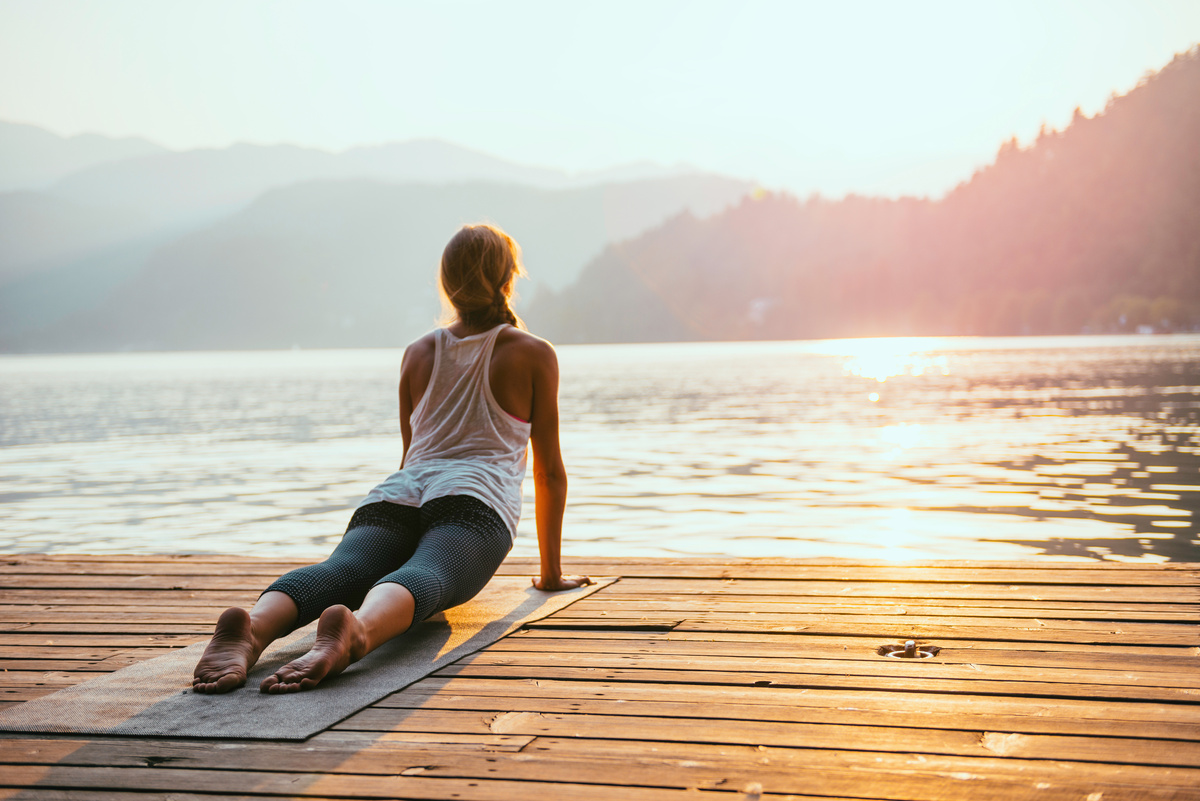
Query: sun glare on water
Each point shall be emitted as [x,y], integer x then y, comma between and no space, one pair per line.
[882,359]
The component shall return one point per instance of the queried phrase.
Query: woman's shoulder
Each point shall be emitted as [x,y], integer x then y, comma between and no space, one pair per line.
[421,350]
[523,344]
[424,342]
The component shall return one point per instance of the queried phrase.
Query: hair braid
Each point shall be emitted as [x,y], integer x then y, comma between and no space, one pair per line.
[505,312]
[500,305]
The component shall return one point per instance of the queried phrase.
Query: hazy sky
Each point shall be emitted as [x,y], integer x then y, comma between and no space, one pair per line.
[873,97]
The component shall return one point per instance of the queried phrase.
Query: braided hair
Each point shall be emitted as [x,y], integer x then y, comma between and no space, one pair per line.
[479,269]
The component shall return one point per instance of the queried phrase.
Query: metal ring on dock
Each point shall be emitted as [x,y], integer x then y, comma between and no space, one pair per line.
[908,651]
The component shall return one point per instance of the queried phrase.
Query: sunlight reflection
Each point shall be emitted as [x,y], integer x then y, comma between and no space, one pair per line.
[899,438]
[904,435]
[882,359]
[899,533]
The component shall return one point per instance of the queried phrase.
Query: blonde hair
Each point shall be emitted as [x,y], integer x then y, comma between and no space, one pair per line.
[479,269]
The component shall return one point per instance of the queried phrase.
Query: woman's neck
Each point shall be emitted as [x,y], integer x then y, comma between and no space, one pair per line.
[460,329]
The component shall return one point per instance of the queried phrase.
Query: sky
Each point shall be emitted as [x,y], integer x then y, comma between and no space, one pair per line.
[882,98]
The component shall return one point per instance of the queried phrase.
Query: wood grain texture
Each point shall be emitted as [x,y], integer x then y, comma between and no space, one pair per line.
[685,679]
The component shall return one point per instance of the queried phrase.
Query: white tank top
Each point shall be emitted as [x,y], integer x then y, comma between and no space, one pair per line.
[463,443]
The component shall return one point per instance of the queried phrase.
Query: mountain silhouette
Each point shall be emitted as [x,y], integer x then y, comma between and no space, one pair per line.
[333,263]
[33,158]
[1094,228]
[135,223]
[206,183]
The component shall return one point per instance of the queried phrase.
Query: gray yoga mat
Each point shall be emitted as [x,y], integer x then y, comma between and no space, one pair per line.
[155,697]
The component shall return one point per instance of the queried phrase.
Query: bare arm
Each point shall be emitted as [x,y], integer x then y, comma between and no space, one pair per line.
[549,474]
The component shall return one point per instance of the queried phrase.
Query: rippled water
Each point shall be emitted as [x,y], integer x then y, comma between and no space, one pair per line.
[889,448]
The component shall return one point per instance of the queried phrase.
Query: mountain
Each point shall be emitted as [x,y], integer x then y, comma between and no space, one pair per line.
[340,263]
[58,257]
[135,177]
[129,212]
[37,229]
[435,161]
[206,183]
[34,158]
[1092,228]
[196,184]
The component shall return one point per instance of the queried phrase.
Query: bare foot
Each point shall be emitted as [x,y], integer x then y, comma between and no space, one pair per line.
[341,640]
[229,654]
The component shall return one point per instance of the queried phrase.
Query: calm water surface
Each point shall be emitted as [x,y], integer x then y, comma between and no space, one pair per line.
[889,448]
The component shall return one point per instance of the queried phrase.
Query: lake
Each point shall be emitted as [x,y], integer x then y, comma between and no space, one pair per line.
[962,448]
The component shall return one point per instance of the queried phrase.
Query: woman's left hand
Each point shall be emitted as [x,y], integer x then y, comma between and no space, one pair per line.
[562,583]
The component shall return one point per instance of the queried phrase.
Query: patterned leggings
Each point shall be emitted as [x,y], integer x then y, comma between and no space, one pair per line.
[443,553]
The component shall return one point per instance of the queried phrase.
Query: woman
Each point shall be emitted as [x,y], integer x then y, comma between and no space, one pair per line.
[473,395]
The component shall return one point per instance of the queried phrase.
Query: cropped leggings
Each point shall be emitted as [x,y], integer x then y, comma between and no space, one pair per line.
[443,553]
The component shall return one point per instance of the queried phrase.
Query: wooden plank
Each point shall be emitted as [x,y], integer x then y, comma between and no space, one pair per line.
[935,630]
[42,678]
[186,598]
[87,654]
[15,695]
[831,601]
[889,774]
[791,734]
[481,793]
[326,754]
[65,664]
[97,794]
[588,609]
[42,794]
[90,640]
[262,754]
[901,627]
[235,581]
[83,614]
[978,574]
[70,560]
[310,785]
[146,566]
[915,702]
[935,668]
[1033,593]
[854,648]
[593,765]
[688,605]
[100,627]
[849,641]
[713,707]
[767,678]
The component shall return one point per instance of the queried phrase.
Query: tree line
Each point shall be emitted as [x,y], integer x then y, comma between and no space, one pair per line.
[1094,228]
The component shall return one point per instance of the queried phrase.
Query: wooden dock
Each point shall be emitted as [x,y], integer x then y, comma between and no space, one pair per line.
[684,679]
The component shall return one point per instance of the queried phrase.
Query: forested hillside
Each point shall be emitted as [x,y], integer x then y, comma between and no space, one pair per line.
[1090,229]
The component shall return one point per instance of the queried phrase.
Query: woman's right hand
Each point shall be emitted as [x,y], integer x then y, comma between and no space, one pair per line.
[561,583]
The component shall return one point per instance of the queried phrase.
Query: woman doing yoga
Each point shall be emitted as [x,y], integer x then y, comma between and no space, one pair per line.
[473,395]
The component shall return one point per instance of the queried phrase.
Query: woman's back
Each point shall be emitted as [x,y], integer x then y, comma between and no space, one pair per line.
[522,381]
[457,415]
[517,356]
[458,439]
